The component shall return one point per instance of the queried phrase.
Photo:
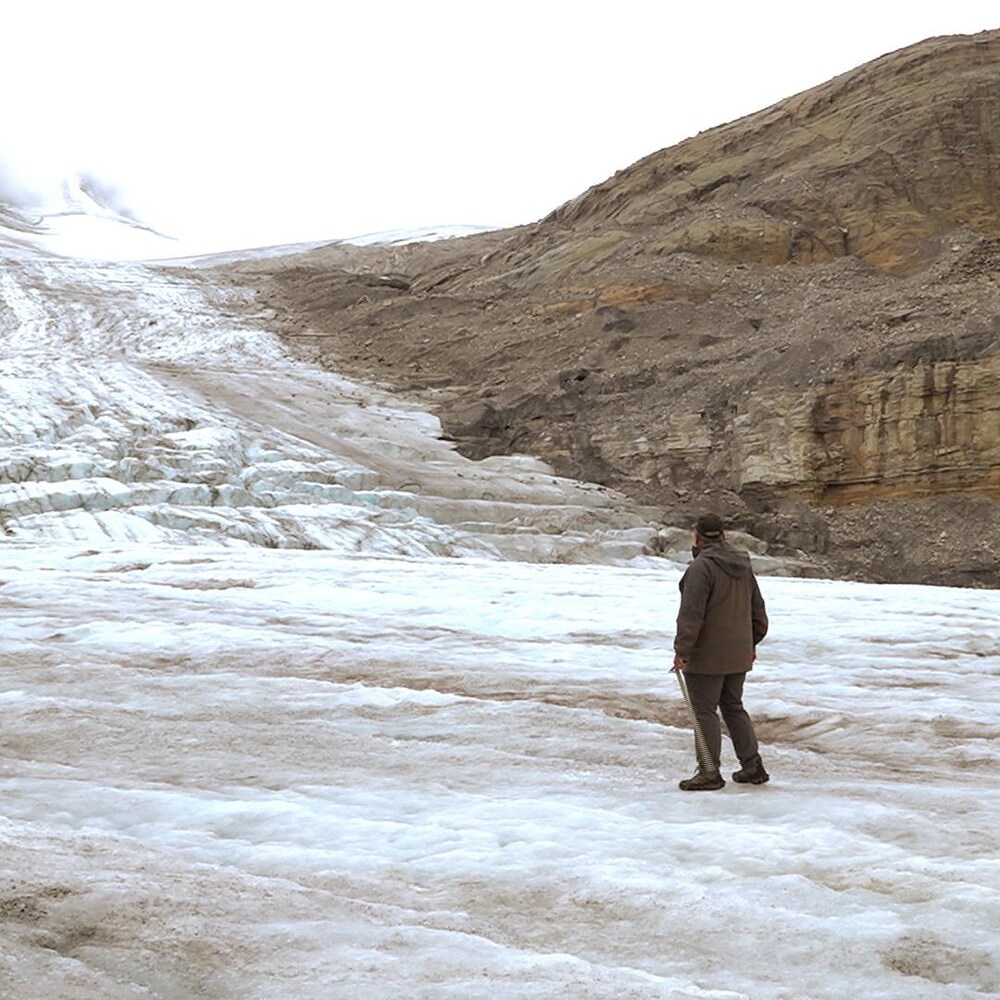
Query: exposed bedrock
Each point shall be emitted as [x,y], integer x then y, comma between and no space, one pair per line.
[794,318]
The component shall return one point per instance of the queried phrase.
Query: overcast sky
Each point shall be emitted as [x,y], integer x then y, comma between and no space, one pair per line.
[249,123]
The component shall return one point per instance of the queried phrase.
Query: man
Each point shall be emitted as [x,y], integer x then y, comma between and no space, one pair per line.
[721,619]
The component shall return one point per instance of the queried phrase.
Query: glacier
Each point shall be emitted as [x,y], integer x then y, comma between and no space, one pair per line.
[297,701]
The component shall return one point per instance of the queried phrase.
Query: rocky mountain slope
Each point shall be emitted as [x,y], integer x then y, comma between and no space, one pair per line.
[793,318]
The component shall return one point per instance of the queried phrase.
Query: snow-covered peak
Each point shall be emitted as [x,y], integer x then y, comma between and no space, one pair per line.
[87,219]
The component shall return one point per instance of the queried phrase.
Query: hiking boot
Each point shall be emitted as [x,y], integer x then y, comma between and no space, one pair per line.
[702,782]
[751,773]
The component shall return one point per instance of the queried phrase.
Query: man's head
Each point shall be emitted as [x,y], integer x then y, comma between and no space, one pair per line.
[708,529]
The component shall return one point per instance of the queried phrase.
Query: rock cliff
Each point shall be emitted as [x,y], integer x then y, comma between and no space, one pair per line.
[793,318]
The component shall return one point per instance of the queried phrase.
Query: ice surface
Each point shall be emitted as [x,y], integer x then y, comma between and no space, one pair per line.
[252,772]
[296,702]
[131,394]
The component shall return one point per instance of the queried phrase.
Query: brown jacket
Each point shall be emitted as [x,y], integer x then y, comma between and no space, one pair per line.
[722,615]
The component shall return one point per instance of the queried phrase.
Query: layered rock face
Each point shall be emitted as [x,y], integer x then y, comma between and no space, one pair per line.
[793,318]
[932,429]
[914,432]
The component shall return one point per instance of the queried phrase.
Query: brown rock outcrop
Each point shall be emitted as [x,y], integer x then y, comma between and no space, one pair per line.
[794,317]
[928,430]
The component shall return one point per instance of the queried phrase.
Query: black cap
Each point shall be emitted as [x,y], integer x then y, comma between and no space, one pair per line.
[709,526]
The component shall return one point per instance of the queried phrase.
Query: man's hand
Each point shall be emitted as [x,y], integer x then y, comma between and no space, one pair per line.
[680,663]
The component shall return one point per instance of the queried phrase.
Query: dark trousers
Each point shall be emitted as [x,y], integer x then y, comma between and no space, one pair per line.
[724,692]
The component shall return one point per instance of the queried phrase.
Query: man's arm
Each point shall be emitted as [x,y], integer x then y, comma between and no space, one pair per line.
[758,614]
[691,614]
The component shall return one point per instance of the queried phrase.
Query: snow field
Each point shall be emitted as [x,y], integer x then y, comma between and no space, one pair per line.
[482,758]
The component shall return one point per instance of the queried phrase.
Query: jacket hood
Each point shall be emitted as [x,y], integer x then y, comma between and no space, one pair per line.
[733,562]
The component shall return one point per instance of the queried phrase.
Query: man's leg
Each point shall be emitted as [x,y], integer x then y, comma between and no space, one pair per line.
[705,690]
[738,722]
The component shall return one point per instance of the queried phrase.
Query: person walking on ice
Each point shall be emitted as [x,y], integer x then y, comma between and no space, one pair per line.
[721,620]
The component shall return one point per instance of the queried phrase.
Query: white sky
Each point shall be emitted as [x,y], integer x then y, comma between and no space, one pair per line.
[253,123]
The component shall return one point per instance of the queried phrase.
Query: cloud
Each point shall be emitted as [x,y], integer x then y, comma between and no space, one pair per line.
[17,187]
[52,186]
